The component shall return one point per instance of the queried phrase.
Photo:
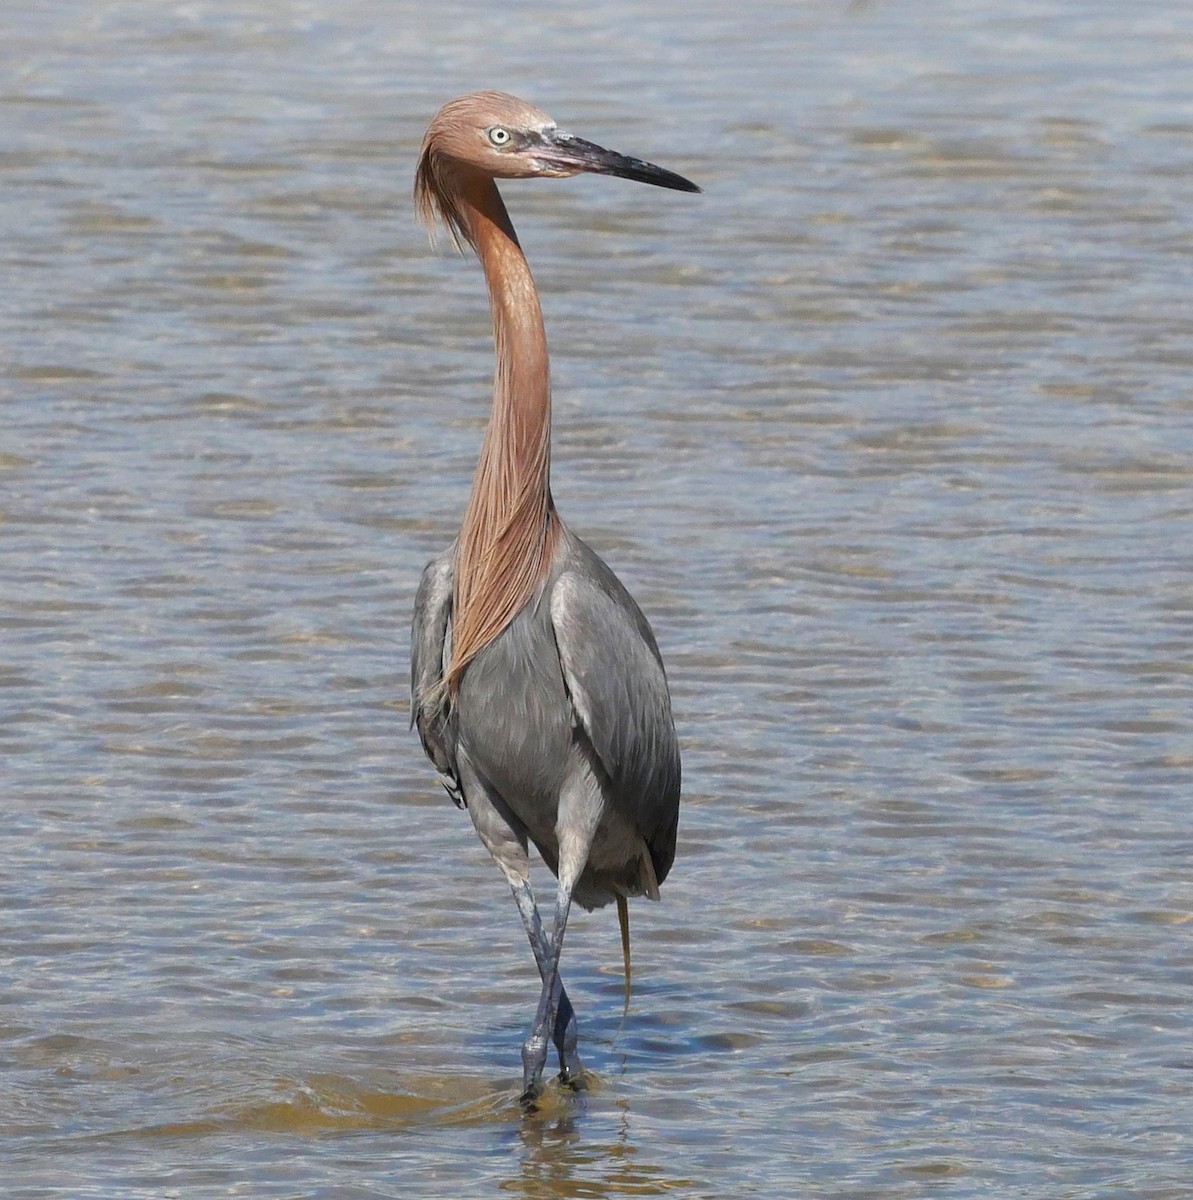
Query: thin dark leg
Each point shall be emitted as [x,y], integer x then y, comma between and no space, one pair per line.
[534,1051]
[564,1033]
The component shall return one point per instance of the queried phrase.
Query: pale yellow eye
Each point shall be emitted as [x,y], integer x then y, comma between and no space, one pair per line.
[499,136]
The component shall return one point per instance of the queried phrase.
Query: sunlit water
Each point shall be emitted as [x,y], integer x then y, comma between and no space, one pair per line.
[889,432]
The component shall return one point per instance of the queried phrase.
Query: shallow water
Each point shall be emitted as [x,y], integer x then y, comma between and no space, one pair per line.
[890,434]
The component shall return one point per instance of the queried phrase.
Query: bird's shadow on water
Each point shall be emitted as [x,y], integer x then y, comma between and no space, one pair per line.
[327,1103]
[552,1149]
[572,1143]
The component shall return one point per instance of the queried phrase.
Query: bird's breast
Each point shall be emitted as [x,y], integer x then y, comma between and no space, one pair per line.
[514,717]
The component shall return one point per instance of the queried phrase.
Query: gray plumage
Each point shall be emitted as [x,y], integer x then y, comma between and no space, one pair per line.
[569,703]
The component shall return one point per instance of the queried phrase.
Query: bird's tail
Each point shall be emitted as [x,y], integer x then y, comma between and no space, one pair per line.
[623,919]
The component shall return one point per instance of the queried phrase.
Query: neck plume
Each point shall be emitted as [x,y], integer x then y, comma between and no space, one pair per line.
[510,527]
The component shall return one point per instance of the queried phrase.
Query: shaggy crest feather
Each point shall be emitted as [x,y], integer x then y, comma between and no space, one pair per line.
[435,202]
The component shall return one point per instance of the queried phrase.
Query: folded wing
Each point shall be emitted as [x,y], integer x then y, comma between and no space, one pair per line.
[617,686]
[429,652]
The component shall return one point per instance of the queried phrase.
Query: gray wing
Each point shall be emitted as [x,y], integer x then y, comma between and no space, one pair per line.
[615,678]
[429,649]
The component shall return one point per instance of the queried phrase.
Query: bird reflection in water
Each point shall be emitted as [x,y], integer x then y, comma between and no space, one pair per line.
[560,1161]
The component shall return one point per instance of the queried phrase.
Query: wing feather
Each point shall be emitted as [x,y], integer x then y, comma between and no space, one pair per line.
[429,651]
[618,689]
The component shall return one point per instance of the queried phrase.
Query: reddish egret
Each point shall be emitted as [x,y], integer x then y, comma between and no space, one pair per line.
[537,686]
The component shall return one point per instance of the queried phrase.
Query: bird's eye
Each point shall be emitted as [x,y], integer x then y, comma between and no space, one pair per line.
[499,136]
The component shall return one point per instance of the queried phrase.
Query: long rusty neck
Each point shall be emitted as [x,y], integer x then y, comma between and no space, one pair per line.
[517,444]
[510,526]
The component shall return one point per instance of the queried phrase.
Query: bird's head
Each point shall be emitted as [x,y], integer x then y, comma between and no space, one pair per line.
[498,135]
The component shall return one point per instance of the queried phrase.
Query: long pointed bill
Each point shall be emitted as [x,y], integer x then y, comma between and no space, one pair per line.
[571,155]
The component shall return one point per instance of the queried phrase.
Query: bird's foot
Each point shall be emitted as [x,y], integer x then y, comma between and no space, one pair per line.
[570,1066]
[529,1099]
[534,1058]
[536,1095]
[575,1079]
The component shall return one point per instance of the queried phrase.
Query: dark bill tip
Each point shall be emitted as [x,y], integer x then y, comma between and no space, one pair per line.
[580,155]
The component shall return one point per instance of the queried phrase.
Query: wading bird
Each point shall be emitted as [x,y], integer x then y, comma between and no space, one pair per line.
[536,683]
